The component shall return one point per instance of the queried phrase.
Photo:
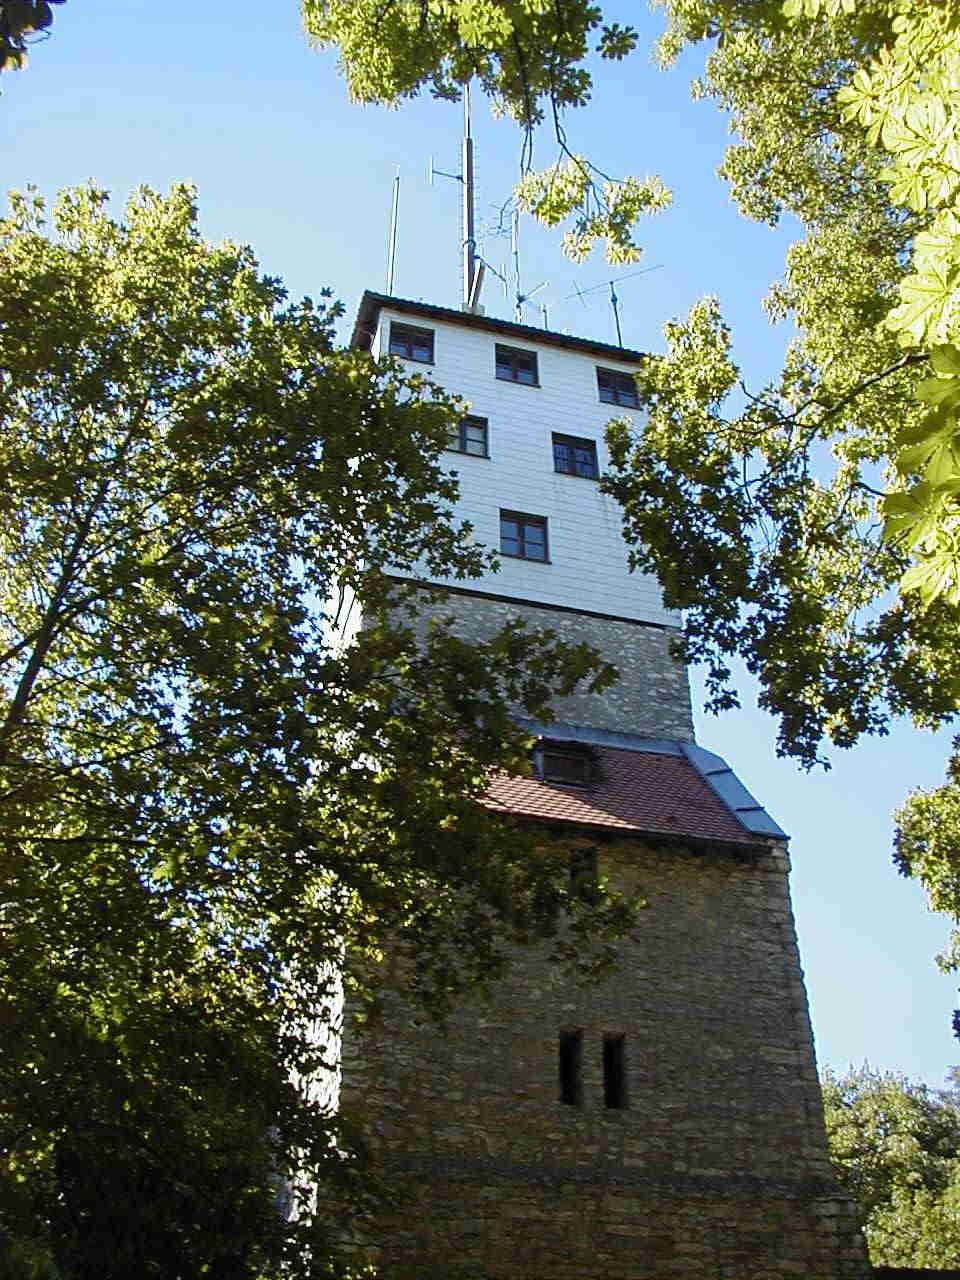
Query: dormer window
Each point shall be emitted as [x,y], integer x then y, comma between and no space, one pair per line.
[617,387]
[411,343]
[565,763]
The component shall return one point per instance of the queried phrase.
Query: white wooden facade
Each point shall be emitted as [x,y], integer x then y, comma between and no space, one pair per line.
[587,568]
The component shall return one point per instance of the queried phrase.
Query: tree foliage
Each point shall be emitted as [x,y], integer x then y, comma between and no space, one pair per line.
[896,1148]
[208,804]
[20,19]
[528,56]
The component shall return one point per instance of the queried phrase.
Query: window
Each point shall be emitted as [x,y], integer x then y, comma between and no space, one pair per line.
[616,387]
[469,435]
[523,536]
[411,343]
[514,365]
[572,768]
[571,1073]
[614,1072]
[575,457]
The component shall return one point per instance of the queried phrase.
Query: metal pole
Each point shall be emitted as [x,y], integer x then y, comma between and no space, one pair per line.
[469,240]
[392,250]
[616,314]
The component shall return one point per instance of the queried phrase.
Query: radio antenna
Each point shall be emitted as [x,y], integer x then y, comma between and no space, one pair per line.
[614,302]
[392,244]
[520,297]
[472,268]
[471,280]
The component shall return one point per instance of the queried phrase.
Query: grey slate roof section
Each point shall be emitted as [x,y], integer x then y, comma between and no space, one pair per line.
[712,768]
[717,774]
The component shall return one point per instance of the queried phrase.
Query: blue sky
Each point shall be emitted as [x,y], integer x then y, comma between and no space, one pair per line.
[231,98]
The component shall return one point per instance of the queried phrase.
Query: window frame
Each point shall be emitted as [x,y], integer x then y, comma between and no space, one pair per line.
[512,353]
[399,326]
[524,518]
[617,391]
[470,420]
[573,443]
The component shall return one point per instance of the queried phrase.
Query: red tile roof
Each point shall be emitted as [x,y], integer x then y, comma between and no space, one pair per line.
[643,791]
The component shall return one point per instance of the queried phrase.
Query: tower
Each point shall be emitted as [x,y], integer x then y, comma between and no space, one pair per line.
[667,1120]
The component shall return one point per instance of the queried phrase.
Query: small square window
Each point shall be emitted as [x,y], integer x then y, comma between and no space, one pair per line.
[469,435]
[617,387]
[514,365]
[575,457]
[523,536]
[411,343]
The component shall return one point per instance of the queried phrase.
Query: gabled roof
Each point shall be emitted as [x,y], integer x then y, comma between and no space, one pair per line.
[656,790]
[371,303]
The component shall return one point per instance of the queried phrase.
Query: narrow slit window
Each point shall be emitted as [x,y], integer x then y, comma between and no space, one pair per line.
[614,1072]
[571,1068]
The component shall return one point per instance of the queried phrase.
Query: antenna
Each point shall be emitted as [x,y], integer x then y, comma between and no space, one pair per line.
[614,300]
[520,297]
[472,273]
[471,285]
[392,244]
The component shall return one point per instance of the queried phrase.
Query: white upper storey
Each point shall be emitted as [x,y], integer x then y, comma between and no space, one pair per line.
[586,569]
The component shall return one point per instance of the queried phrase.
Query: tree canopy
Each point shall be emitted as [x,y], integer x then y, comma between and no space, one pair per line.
[20,19]
[896,1148]
[810,526]
[209,805]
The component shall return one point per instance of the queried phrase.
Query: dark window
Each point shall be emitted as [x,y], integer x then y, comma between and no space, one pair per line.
[469,435]
[523,536]
[617,388]
[566,766]
[411,343]
[571,1072]
[514,365]
[575,457]
[614,1072]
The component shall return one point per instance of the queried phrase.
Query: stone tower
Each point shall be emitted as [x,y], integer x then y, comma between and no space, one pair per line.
[667,1121]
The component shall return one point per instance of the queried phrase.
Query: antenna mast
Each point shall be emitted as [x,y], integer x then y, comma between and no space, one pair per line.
[471,284]
[392,248]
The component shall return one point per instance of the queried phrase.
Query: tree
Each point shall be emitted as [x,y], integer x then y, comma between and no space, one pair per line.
[811,526]
[209,808]
[896,1148]
[18,20]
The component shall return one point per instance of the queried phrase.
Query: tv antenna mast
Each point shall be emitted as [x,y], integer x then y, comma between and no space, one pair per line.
[521,297]
[392,242]
[614,300]
[473,266]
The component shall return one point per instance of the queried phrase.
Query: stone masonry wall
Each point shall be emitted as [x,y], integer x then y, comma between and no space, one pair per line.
[652,696]
[717,1168]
